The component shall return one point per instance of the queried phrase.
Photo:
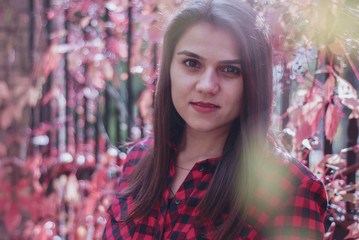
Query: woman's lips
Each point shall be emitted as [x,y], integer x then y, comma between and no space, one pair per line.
[204,107]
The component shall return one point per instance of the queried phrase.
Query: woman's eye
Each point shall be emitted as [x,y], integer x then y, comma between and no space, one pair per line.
[192,63]
[231,69]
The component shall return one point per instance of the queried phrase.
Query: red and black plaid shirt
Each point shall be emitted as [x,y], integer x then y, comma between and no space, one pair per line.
[297,214]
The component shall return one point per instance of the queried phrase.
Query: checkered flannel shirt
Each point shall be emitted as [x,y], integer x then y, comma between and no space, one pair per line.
[294,209]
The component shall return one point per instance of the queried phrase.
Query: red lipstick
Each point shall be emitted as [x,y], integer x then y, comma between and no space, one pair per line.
[204,107]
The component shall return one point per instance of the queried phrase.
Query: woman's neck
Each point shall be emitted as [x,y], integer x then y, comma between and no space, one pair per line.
[196,146]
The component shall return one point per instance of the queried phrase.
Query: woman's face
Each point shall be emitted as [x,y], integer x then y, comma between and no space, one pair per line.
[206,78]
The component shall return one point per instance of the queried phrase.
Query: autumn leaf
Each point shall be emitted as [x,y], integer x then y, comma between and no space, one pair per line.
[24,194]
[3,151]
[345,89]
[96,76]
[91,203]
[117,47]
[72,189]
[12,217]
[333,159]
[154,33]
[145,101]
[107,70]
[4,200]
[353,231]
[33,96]
[6,117]
[4,91]
[306,119]
[85,21]
[336,49]
[349,197]
[352,104]
[304,131]
[332,120]
[324,69]
[45,206]
[51,60]
[119,18]
[48,96]
[348,96]
[328,88]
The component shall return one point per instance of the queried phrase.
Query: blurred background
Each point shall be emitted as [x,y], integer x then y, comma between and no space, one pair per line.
[77,81]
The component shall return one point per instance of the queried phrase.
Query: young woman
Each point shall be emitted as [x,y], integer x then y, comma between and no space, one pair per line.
[206,173]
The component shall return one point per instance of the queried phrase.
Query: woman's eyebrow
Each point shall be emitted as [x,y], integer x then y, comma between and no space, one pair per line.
[194,55]
[190,54]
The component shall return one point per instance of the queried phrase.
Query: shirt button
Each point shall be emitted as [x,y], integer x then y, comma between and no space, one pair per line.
[201,168]
[177,201]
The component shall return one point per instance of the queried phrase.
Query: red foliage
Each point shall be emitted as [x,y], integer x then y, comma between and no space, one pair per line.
[62,190]
[306,118]
[332,120]
[12,217]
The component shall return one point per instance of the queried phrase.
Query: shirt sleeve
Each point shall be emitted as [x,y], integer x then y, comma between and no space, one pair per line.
[302,215]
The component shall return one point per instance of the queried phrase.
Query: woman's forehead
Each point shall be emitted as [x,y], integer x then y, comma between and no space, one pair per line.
[209,41]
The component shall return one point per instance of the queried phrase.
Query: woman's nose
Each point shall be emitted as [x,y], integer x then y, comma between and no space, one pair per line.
[208,82]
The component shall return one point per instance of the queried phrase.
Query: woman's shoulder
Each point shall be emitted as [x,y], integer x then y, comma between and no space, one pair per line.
[137,152]
[293,175]
[134,154]
[288,194]
[299,173]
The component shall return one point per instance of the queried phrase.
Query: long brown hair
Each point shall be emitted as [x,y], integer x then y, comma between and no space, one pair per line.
[146,182]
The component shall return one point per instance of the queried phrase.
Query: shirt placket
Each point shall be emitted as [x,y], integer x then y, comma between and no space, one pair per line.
[174,222]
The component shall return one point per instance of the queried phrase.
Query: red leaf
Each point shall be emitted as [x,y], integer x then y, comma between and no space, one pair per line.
[336,48]
[48,96]
[45,206]
[72,189]
[304,131]
[306,119]
[345,89]
[119,18]
[3,202]
[353,231]
[145,101]
[329,88]
[12,217]
[154,33]
[2,152]
[98,180]
[85,21]
[332,120]
[5,188]
[117,47]
[107,70]
[324,69]
[51,60]
[113,45]
[6,117]
[33,95]
[91,203]
[96,77]
[23,184]
[4,91]
[24,194]
[353,104]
